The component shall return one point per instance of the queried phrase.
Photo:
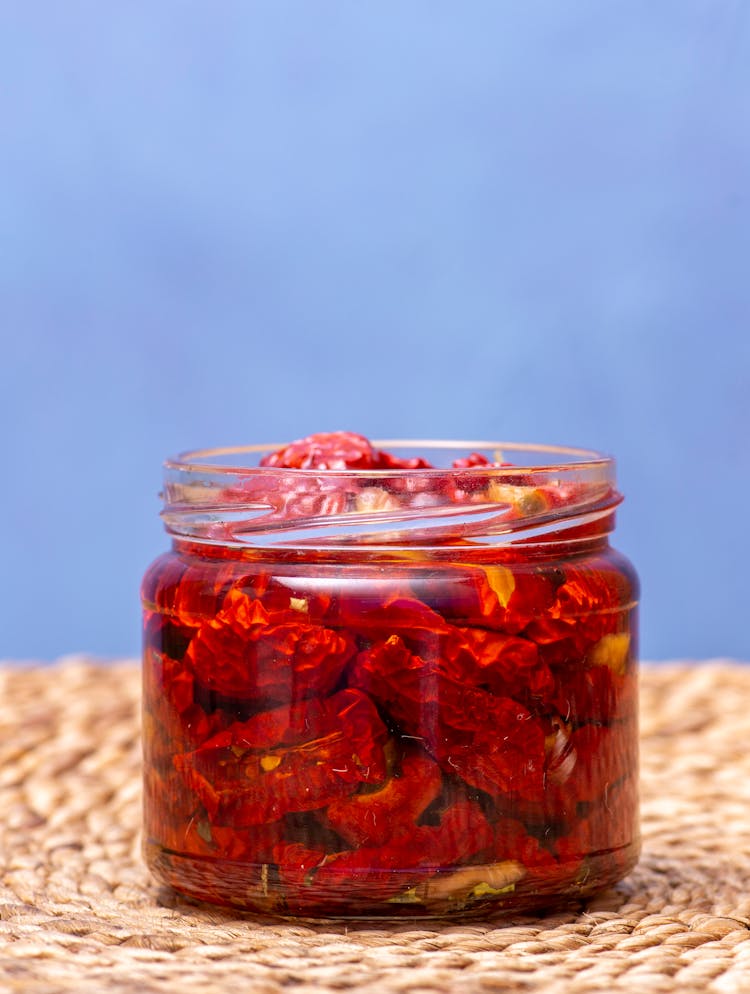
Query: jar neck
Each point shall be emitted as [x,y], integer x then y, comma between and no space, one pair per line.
[537,552]
[540,504]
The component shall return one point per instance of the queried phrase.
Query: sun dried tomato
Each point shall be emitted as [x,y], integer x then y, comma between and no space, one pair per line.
[241,652]
[582,765]
[169,806]
[287,599]
[492,742]
[462,833]
[504,757]
[297,864]
[254,843]
[505,665]
[512,841]
[274,497]
[325,450]
[606,828]
[592,693]
[503,597]
[296,758]
[374,817]
[477,656]
[388,872]
[473,459]
[386,460]
[161,582]
[586,606]
[378,614]
[290,495]
[185,592]
[466,486]
[180,722]
[311,497]
[166,636]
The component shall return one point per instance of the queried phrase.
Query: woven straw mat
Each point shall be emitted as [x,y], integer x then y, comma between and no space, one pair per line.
[78,912]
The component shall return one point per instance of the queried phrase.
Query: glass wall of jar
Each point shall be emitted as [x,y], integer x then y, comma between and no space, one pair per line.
[390,690]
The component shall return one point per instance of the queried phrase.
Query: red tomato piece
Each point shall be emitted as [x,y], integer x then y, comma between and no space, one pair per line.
[584,609]
[592,694]
[610,826]
[380,616]
[491,741]
[374,817]
[513,841]
[473,459]
[242,653]
[295,758]
[596,759]
[504,664]
[386,460]
[297,864]
[382,873]
[502,597]
[325,450]
[173,721]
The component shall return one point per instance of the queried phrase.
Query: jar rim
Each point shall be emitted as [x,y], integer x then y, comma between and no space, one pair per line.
[222,495]
[564,459]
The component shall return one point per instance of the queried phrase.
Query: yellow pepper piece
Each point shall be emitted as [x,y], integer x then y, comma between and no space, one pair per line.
[612,651]
[502,582]
[269,763]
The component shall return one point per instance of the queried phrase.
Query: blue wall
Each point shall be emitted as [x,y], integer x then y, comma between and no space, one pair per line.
[238,222]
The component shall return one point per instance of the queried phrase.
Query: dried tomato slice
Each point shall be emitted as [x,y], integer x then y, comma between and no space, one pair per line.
[512,841]
[586,693]
[185,591]
[241,652]
[377,614]
[297,758]
[386,460]
[325,450]
[162,581]
[492,742]
[609,826]
[586,606]
[297,864]
[290,597]
[338,450]
[582,766]
[289,495]
[173,720]
[473,459]
[165,635]
[601,758]
[504,757]
[374,817]
[503,664]
[389,872]
[254,843]
[503,597]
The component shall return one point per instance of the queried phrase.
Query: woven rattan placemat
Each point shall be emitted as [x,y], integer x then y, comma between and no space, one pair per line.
[78,912]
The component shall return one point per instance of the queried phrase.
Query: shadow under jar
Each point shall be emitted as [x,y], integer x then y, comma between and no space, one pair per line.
[391,692]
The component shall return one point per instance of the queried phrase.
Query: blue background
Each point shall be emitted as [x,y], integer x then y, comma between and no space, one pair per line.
[240,222]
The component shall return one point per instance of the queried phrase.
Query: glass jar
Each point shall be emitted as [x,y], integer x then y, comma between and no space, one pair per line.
[391,692]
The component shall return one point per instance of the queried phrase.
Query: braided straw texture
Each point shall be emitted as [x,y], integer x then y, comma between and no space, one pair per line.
[78,912]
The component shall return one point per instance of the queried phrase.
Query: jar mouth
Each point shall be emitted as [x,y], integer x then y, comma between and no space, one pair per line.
[536,458]
[528,492]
